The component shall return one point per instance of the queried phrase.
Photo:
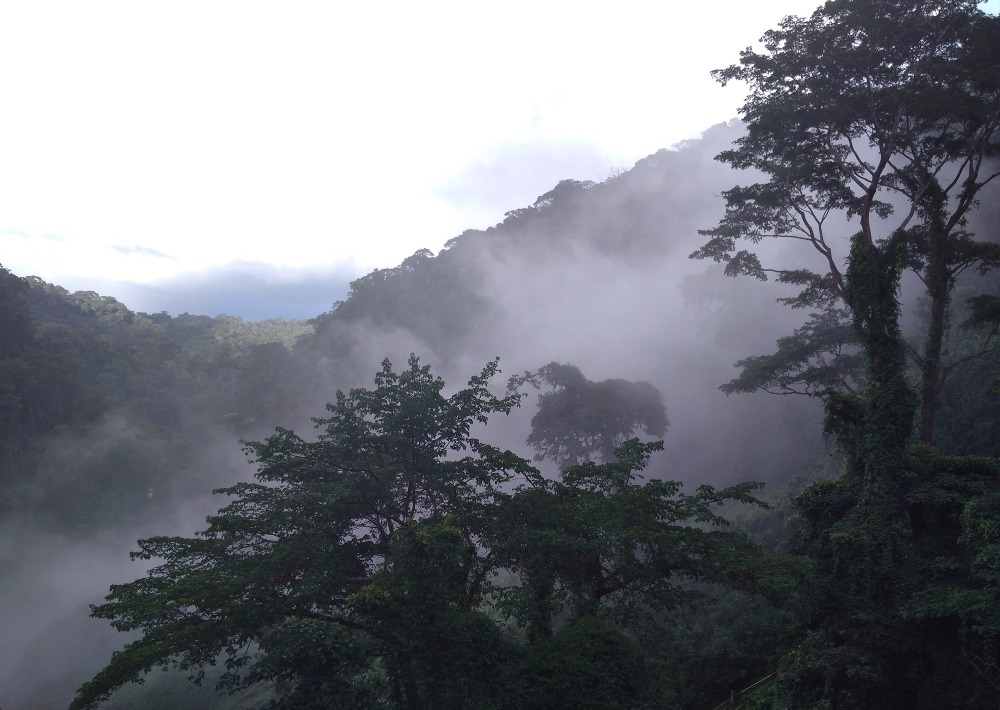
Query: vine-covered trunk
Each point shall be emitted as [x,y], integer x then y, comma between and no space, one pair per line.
[542,585]
[938,282]
[860,532]
[876,441]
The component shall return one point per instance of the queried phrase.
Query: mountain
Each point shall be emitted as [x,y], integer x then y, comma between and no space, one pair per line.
[116,425]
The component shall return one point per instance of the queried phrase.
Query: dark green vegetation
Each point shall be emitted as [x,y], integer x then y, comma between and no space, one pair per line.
[409,555]
[886,115]
[578,419]
[75,366]
[360,570]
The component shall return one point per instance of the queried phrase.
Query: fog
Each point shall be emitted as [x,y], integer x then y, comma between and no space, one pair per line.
[53,569]
[593,275]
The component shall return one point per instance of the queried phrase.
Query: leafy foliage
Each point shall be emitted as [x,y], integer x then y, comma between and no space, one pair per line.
[868,112]
[321,533]
[819,356]
[598,541]
[578,419]
[862,110]
[589,663]
[358,571]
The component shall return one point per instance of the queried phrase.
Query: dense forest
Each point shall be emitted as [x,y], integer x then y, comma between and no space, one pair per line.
[523,472]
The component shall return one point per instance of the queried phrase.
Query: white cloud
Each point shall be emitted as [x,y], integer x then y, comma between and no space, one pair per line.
[310,134]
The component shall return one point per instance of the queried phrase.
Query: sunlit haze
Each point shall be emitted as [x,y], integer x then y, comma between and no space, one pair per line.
[154,144]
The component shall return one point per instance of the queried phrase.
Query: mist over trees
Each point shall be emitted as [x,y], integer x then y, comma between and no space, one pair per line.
[154,406]
[578,420]
[889,115]
[359,571]
[409,554]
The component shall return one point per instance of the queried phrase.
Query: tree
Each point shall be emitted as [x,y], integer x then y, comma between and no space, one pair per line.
[310,564]
[885,114]
[599,542]
[362,569]
[877,119]
[578,419]
[589,663]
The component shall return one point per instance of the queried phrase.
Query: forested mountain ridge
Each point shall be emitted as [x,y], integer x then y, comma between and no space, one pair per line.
[154,366]
[636,216]
[117,424]
[137,416]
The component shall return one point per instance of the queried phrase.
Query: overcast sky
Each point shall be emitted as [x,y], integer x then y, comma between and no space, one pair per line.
[146,146]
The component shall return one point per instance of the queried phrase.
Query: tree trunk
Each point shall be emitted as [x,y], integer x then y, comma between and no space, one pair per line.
[939,290]
[879,440]
[541,584]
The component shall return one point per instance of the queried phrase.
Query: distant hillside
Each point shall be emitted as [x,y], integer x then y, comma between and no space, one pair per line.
[589,273]
[116,424]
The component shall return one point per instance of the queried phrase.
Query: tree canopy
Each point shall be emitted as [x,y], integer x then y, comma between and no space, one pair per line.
[872,119]
[397,557]
[376,565]
[874,124]
[578,419]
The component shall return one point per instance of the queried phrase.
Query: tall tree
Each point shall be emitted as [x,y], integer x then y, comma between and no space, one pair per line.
[874,122]
[313,562]
[875,119]
[363,569]
[578,419]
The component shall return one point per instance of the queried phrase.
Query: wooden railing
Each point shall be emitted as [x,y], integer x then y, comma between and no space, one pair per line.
[738,699]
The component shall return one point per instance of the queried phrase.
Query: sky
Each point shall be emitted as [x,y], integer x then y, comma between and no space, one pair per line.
[253,158]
